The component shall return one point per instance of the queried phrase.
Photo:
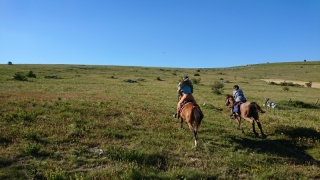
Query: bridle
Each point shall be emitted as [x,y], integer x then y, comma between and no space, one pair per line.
[229,100]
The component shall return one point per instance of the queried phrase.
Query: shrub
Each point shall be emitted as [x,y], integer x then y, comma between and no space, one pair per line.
[289,84]
[309,84]
[196,74]
[30,74]
[285,84]
[51,77]
[196,81]
[159,79]
[217,87]
[285,88]
[20,77]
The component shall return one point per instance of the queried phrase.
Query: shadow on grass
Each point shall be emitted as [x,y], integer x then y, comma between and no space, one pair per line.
[123,154]
[4,141]
[298,132]
[295,149]
[4,162]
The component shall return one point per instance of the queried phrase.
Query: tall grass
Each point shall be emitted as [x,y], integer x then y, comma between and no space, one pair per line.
[88,122]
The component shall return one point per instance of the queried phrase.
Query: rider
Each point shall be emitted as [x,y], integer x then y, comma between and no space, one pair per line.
[185,90]
[238,98]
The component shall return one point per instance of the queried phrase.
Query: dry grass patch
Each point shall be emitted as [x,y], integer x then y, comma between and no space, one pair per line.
[303,83]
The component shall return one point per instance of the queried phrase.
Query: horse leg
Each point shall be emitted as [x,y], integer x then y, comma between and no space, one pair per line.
[264,136]
[238,121]
[194,132]
[181,123]
[195,137]
[252,122]
[254,129]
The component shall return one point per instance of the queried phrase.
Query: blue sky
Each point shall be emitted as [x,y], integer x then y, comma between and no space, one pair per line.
[159,33]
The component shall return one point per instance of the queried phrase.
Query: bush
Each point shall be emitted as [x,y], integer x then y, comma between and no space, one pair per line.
[309,84]
[285,88]
[20,77]
[196,74]
[51,77]
[289,84]
[272,83]
[196,81]
[30,74]
[217,87]
[285,84]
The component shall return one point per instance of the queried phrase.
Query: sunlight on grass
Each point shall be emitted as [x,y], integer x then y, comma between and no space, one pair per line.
[90,123]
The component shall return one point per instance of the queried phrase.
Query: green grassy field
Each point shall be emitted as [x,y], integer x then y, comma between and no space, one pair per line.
[55,126]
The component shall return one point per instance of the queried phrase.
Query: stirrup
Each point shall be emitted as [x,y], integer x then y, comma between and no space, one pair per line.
[176,115]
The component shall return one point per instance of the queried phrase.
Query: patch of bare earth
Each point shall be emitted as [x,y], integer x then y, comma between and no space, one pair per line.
[314,84]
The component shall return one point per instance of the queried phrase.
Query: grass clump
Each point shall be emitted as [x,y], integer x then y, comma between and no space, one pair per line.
[30,74]
[32,149]
[285,84]
[20,76]
[217,87]
[196,81]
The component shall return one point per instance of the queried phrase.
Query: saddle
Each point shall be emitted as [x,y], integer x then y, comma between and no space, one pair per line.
[187,102]
[183,105]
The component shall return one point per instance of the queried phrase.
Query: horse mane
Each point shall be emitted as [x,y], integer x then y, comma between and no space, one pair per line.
[229,95]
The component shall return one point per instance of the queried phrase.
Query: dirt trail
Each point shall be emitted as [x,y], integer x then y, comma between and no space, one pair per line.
[314,84]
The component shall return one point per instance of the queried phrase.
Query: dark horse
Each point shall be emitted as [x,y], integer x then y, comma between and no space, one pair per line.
[193,116]
[247,110]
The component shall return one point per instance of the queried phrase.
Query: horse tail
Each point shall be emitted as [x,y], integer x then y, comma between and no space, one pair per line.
[259,109]
[198,115]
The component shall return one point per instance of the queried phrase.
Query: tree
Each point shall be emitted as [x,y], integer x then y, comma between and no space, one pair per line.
[9,63]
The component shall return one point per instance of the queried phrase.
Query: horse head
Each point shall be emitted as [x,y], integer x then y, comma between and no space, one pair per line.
[229,100]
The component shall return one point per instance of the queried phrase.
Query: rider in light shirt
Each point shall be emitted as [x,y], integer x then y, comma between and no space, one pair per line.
[238,97]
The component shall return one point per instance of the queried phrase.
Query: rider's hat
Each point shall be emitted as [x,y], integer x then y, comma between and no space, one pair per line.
[185,78]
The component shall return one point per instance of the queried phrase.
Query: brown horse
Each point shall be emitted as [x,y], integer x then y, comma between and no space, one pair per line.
[193,116]
[247,110]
